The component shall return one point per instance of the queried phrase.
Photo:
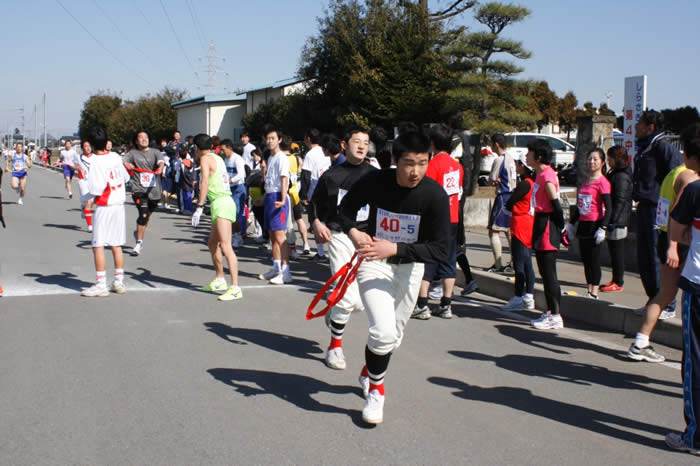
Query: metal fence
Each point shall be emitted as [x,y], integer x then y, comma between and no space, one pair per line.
[672,139]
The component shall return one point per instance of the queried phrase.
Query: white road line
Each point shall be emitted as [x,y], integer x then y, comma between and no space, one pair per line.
[565,331]
[52,290]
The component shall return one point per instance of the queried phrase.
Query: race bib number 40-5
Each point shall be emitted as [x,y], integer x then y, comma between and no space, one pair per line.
[397,228]
[148,180]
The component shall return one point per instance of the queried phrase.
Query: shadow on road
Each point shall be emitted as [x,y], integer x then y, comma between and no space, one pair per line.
[286,344]
[577,416]
[64,279]
[552,341]
[293,388]
[146,277]
[53,197]
[573,372]
[63,227]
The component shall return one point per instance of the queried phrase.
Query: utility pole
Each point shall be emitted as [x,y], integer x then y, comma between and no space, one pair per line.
[212,68]
[45,142]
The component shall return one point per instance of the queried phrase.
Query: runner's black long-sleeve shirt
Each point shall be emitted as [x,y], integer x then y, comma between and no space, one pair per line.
[335,183]
[428,200]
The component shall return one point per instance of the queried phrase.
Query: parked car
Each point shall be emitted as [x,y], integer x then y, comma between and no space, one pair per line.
[564,153]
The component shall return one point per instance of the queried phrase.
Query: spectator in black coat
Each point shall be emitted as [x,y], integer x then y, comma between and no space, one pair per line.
[620,177]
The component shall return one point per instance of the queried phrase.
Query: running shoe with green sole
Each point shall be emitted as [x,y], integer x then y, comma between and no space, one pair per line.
[215,285]
[232,293]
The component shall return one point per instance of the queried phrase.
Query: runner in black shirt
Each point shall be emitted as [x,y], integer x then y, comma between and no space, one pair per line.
[408,225]
[330,190]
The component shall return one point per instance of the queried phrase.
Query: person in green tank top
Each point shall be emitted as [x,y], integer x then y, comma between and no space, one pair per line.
[215,187]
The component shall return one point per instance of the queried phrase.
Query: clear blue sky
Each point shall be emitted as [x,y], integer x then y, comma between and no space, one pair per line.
[587,47]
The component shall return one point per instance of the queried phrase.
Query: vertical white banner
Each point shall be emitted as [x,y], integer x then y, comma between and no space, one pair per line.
[635,104]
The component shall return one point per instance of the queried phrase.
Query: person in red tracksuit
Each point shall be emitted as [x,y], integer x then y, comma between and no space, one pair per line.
[521,221]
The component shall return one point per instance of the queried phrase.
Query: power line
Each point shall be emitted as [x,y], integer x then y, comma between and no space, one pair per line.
[114,23]
[196,24]
[103,45]
[177,38]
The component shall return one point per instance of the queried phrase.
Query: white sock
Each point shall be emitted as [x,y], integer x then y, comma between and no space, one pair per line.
[101,278]
[119,275]
[319,248]
[277,264]
[220,280]
[285,268]
[641,340]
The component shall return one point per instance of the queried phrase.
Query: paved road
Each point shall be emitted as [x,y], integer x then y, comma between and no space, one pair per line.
[168,375]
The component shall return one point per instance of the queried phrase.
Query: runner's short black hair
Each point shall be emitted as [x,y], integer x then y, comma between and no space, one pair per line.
[542,150]
[690,138]
[354,130]
[378,136]
[97,136]
[314,135]
[286,142]
[272,129]
[202,141]
[410,142]
[331,144]
[499,139]
[652,117]
[441,137]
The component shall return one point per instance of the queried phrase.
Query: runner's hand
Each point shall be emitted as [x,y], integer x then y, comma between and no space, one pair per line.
[196,216]
[321,232]
[599,236]
[672,259]
[359,238]
[379,249]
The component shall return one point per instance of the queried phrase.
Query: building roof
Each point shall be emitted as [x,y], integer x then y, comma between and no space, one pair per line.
[278,84]
[229,97]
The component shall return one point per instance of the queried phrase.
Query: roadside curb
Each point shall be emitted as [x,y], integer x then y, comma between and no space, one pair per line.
[603,314]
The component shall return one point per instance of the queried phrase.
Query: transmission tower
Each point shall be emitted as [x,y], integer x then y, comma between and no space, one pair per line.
[212,69]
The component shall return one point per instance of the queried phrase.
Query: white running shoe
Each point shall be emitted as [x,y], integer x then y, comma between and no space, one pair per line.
[548,322]
[421,313]
[138,248]
[373,413]
[20,201]
[667,314]
[118,287]
[529,301]
[516,303]
[281,278]
[90,228]
[269,274]
[95,291]
[335,359]
[364,383]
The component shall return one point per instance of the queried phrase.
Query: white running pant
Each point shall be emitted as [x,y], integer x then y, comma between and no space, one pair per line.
[340,251]
[84,192]
[389,293]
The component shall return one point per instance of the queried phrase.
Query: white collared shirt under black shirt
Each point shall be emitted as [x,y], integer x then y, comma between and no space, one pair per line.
[428,199]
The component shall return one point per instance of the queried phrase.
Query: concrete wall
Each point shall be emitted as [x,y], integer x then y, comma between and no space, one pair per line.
[224,118]
[192,120]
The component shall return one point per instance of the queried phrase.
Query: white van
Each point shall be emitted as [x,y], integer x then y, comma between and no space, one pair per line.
[564,153]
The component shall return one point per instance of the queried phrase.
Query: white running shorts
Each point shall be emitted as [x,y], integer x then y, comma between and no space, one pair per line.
[108,226]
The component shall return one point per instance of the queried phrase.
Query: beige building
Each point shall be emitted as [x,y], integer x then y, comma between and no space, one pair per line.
[222,114]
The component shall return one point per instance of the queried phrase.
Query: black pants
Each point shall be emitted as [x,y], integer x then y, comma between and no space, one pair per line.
[590,255]
[547,265]
[617,257]
[522,263]
[259,212]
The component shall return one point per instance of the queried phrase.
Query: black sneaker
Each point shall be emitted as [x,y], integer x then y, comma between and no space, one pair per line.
[319,258]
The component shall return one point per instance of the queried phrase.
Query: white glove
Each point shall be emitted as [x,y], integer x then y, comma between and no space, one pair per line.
[196,216]
[571,231]
[599,236]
